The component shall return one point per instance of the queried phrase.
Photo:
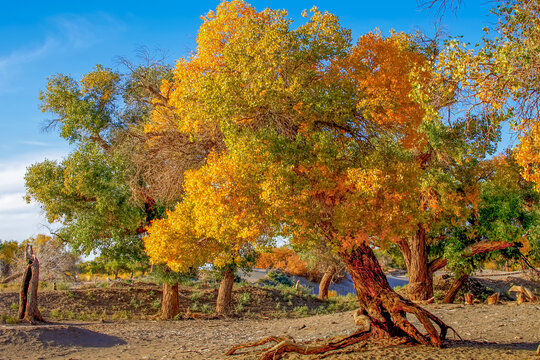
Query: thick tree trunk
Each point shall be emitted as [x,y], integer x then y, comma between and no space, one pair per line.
[224,297]
[420,279]
[28,300]
[170,305]
[325,282]
[384,307]
[456,286]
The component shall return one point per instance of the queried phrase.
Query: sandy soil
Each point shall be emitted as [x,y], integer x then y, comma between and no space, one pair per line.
[490,332]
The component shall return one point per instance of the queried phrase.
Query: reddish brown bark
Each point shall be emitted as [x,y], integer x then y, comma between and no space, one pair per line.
[325,282]
[405,250]
[454,288]
[224,297]
[28,297]
[420,279]
[170,304]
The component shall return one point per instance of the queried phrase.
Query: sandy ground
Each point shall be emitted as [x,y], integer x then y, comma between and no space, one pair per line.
[490,332]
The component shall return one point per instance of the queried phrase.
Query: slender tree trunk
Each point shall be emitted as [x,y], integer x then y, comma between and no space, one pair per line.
[325,282]
[383,306]
[420,279]
[170,304]
[456,286]
[224,297]
[28,300]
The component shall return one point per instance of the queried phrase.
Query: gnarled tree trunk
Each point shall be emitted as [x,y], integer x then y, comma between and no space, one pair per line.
[224,297]
[28,300]
[325,282]
[384,307]
[170,305]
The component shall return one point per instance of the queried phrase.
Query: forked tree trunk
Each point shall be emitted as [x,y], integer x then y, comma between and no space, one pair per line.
[224,297]
[170,305]
[325,282]
[420,278]
[28,300]
[454,288]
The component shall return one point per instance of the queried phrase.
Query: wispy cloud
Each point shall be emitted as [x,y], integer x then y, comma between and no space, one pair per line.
[35,143]
[20,56]
[80,32]
[15,61]
[66,34]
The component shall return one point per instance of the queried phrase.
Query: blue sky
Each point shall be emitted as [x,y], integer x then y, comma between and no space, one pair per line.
[42,38]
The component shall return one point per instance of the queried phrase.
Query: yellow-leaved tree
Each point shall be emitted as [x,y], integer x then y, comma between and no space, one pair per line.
[222,220]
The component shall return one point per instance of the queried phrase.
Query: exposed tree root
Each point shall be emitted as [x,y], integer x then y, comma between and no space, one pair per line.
[398,313]
[286,344]
[259,342]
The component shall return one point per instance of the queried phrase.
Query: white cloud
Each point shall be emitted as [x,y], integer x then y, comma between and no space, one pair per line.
[19,220]
[12,203]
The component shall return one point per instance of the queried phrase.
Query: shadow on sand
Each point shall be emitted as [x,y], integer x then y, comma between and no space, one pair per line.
[56,334]
[492,345]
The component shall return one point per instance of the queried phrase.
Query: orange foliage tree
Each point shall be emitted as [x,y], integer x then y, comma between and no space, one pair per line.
[288,261]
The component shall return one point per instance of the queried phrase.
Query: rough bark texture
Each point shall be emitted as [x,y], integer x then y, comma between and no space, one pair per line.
[475,249]
[224,297]
[405,250]
[420,279]
[170,305]
[28,299]
[325,282]
[454,288]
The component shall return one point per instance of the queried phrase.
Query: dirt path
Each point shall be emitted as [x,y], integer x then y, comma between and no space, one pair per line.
[489,332]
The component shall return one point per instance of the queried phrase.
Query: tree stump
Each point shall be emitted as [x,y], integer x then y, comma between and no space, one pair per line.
[325,282]
[494,299]
[456,286]
[28,300]
[522,294]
